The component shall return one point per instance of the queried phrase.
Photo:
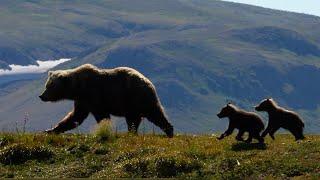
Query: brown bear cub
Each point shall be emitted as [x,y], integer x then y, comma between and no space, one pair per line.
[281,118]
[103,92]
[243,121]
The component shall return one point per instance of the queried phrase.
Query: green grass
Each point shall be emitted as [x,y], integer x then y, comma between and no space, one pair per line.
[74,155]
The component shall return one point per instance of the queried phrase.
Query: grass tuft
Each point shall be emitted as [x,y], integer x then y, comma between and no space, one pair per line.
[103,131]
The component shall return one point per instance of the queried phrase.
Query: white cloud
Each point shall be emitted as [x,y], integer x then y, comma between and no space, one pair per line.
[42,66]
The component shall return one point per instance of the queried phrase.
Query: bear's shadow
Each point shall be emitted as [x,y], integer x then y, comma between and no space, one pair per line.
[242,146]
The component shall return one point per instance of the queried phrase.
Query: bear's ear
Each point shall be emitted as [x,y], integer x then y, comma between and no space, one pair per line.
[228,101]
[64,79]
[50,73]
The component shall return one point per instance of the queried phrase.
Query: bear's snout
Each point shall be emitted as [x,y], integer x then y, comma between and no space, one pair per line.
[43,98]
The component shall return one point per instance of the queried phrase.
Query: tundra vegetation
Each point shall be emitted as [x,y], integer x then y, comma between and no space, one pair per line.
[112,155]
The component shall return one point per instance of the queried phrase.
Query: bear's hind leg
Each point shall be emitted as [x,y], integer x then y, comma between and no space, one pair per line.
[272,131]
[251,135]
[101,116]
[133,123]
[257,136]
[239,136]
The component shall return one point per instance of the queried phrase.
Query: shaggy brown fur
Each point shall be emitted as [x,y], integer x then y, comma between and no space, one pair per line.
[243,121]
[103,92]
[280,117]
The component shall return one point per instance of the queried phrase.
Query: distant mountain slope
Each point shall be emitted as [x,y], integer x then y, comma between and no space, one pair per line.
[199,54]
[54,29]
[278,38]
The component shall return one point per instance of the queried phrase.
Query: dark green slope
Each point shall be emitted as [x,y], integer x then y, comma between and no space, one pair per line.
[199,54]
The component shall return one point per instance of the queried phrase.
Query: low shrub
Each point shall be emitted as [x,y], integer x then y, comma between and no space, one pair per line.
[170,166]
[138,167]
[19,153]
[101,151]
[78,150]
[295,170]
[3,141]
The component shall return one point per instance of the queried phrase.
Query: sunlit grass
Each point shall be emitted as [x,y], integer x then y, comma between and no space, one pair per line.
[127,155]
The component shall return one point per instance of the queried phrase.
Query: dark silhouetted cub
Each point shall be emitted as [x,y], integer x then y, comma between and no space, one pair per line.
[103,92]
[243,121]
[280,117]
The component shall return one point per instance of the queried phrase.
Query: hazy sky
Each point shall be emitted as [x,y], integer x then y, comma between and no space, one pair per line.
[300,6]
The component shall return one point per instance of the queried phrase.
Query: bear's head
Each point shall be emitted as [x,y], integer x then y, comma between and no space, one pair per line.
[56,87]
[226,111]
[266,105]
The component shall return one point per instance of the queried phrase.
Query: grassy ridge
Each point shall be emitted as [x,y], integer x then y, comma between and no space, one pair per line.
[74,155]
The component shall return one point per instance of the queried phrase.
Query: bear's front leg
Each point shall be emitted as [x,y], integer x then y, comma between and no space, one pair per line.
[267,130]
[71,120]
[272,131]
[227,133]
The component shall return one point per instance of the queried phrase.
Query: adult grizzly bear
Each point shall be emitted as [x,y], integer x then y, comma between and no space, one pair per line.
[103,92]
[280,117]
[243,121]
